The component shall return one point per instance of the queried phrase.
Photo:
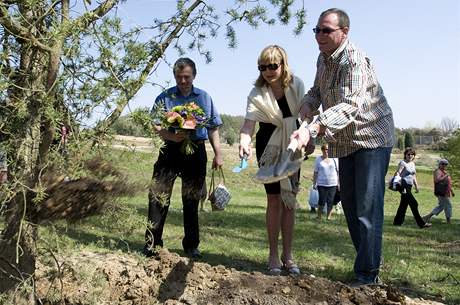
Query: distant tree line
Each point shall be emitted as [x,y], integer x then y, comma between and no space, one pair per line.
[125,126]
[452,153]
[229,131]
[433,137]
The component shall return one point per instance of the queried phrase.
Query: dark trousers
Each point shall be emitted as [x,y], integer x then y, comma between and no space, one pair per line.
[407,199]
[171,164]
[326,197]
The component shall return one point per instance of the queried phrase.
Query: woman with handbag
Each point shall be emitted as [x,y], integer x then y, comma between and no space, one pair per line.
[406,170]
[443,190]
[326,181]
[275,102]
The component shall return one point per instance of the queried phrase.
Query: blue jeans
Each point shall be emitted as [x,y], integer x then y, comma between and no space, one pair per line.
[362,189]
[444,204]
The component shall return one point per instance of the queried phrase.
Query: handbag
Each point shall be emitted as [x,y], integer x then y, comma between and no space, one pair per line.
[313,197]
[219,195]
[395,183]
[440,188]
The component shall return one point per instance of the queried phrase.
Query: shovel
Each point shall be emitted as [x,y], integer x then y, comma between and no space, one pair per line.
[287,166]
[243,164]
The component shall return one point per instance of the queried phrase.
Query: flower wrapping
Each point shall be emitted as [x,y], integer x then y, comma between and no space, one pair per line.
[183,119]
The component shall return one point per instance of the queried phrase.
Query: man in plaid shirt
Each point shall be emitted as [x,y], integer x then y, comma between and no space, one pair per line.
[358,125]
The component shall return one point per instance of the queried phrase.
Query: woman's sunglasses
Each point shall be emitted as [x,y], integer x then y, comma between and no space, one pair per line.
[271,67]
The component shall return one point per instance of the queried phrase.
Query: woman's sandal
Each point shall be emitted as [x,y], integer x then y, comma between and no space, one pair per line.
[274,271]
[290,267]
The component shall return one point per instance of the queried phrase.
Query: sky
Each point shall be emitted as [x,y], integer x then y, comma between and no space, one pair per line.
[413,44]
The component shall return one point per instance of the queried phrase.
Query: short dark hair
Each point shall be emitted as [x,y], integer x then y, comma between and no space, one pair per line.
[409,150]
[344,20]
[443,162]
[183,62]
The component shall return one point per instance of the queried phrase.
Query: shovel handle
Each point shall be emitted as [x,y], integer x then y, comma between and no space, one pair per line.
[293,145]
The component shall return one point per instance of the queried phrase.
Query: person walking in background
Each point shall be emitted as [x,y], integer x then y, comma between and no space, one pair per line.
[326,181]
[274,102]
[358,125]
[63,140]
[172,163]
[443,190]
[406,170]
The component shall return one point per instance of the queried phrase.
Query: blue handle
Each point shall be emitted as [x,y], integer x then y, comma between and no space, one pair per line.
[244,163]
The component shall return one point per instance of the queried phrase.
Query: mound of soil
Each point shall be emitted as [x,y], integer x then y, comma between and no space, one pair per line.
[117,278]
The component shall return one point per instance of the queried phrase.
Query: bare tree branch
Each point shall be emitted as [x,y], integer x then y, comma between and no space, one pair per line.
[123,100]
[88,18]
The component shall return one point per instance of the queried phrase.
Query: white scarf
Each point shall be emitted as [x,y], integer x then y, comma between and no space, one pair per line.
[263,107]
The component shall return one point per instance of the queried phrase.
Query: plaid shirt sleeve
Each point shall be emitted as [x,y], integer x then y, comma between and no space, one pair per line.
[350,94]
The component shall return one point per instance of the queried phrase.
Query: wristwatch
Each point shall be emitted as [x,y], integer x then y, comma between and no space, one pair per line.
[313,132]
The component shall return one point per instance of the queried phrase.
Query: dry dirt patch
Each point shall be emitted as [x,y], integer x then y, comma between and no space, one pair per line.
[117,278]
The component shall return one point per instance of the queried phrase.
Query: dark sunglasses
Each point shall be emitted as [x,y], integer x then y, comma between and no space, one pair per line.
[271,67]
[318,30]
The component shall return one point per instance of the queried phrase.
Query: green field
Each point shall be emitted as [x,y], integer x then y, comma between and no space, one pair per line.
[420,262]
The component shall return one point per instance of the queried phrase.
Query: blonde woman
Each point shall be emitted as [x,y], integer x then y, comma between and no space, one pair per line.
[274,103]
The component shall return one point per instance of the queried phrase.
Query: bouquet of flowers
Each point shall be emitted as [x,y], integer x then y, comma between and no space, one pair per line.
[184,119]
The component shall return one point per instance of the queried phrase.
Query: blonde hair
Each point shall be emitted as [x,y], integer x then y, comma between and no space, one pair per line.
[274,54]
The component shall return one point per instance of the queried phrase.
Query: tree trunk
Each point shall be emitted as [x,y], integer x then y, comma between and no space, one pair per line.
[17,259]
[18,238]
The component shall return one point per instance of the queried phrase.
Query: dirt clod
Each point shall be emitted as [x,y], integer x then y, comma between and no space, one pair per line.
[122,279]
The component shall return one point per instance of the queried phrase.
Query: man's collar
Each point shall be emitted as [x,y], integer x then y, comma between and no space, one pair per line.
[195,90]
[177,92]
[334,56]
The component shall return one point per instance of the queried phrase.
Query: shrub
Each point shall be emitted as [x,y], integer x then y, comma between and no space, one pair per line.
[408,140]
[452,154]
[125,126]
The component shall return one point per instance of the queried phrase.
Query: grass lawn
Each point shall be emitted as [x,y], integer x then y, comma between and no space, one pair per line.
[422,262]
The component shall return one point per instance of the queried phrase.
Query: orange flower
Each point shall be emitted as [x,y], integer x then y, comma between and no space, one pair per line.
[189,123]
[193,106]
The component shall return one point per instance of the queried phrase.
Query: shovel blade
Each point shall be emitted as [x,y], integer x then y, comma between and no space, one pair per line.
[277,172]
[266,175]
[236,169]
[243,165]
[286,166]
